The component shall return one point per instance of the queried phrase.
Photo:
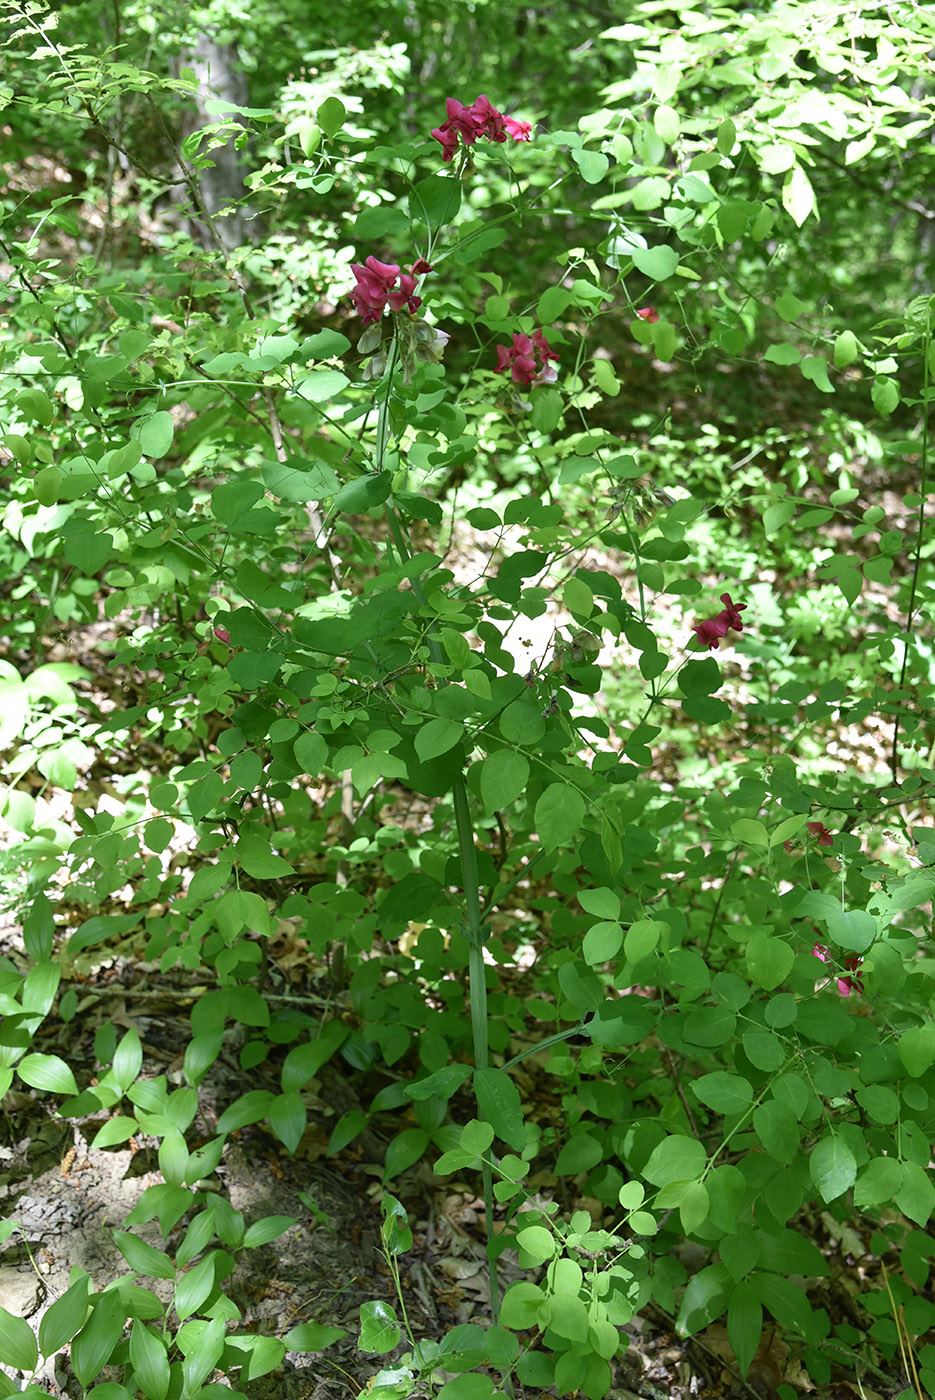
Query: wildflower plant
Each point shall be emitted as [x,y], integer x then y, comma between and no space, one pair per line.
[303,643]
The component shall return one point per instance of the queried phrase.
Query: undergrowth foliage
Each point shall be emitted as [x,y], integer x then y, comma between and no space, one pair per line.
[730,973]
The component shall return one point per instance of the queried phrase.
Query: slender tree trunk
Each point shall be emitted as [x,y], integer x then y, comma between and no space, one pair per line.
[219,74]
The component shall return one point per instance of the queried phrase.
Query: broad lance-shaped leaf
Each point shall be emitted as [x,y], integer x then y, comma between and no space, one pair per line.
[499,1103]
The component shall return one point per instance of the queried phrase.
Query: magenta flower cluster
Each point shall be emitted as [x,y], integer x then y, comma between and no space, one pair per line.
[527,359]
[381,284]
[845,984]
[480,119]
[713,629]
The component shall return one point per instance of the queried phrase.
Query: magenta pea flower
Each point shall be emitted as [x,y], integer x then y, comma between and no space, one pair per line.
[480,119]
[520,131]
[712,629]
[648,313]
[823,837]
[381,284]
[851,963]
[528,359]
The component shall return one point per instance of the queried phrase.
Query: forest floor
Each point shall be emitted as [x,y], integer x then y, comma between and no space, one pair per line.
[67,1197]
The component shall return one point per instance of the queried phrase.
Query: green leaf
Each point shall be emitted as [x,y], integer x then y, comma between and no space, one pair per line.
[846,349]
[437,737]
[64,1318]
[330,115]
[643,938]
[203,1357]
[48,1073]
[349,1126]
[314,481]
[173,1157]
[704,1299]
[559,814]
[879,1182]
[667,124]
[568,1317]
[155,433]
[725,1093]
[255,857]
[602,942]
[789,307]
[798,197]
[379,1327]
[267,1229]
[592,164]
[407,1148]
[150,1362]
[852,929]
[311,753]
[365,492]
[676,1158]
[411,900]
[538,1243]
[547,405]
[787,1301]
[657,263]
[916,1195]
[581,986]
[814,368]
[916,1049]
[769,961]
[436,200]
[93,1346]
[581,1153]
[740,1251]
[288,1118]
[750,832]
[312,1336]
[504,776]
[850,583]
[744,1325]
[301,1064]
[832,1167]
[499,1104]
[18,1347]
[778,1129]
[142,1257]
[885,395]
[193,1288]
[553,303]
[603,903]
[256,1103]
[521,1306]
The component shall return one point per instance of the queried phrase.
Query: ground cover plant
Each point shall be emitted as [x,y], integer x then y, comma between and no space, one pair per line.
[372,574]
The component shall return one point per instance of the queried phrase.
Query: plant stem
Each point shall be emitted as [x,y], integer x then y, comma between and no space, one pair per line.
[920,534]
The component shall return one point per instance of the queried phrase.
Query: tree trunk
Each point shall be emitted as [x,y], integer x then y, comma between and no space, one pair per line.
[222,187]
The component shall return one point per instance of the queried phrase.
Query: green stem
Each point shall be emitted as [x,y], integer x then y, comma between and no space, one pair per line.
[920,535]
[470,883]
[477,984]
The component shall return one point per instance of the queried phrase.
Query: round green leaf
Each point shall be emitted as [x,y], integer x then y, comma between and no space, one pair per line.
[155,434]
[769,961]
[538,1242]
[657,263]
[503,778]
[559,814]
